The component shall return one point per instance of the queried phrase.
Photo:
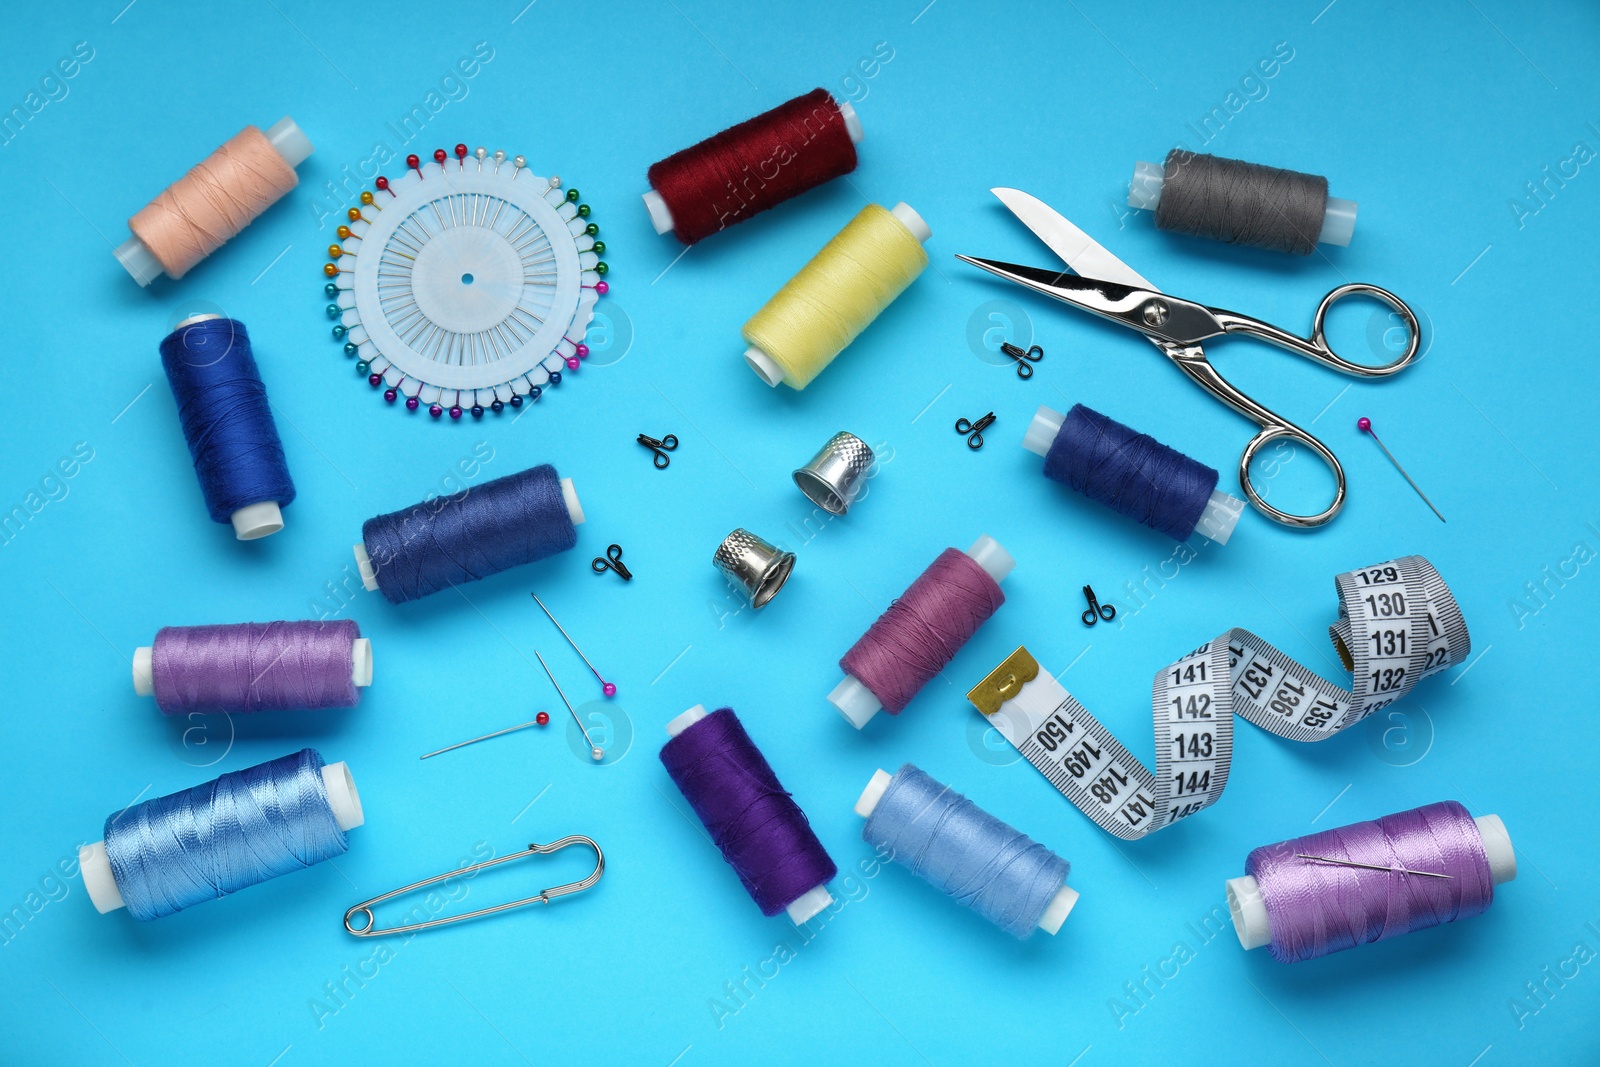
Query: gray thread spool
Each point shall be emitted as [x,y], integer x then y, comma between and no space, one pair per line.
[1242,203]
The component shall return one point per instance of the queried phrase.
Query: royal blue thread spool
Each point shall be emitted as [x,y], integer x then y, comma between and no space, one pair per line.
[1132,473]
[227,421]
[238,830]
[447,541]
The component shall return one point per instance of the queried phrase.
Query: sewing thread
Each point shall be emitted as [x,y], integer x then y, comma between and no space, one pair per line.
[1241,203]
[249,667]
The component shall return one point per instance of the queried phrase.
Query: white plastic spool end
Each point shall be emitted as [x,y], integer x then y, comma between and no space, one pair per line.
[570,494]
[1497,846]
[1043,430]
[95,866]
[854,701]
[257,520]
[682,722]
[1220,516]
[660,213]
[992,557]
[911,221]
[809,905]
[361,661]
[137,259]
[852,122]
[1249,911]
[876,787]
[290,141]
[765,366]
[1338,222]
[342,795]
[144,671]
[1056,912]
[369,573]
[1144,191]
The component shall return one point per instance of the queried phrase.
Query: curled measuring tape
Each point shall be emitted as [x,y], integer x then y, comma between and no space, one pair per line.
[1397,624]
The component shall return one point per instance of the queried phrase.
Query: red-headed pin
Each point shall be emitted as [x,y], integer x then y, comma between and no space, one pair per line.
[1364,424]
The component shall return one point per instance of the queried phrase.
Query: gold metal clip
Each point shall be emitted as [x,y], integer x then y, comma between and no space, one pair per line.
[544,897]
[1004,682]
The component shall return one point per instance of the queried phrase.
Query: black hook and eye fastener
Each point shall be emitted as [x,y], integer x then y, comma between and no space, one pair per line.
[974,430]
[666,444]
[611,561]
[1024,360]
[1096,610]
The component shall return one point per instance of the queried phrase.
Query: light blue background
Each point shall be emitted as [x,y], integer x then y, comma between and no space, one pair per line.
[1433,116]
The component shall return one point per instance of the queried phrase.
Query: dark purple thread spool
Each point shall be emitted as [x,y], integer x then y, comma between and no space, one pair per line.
[922,631]
[752,820]
[1329,891]
[253,666]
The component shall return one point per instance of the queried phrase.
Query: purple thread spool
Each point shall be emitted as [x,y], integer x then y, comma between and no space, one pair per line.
[1178,510]
[251,666]
[757,826]
[922,631]
[1307,908]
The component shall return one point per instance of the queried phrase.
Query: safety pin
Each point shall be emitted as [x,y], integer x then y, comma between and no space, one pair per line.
[543,897]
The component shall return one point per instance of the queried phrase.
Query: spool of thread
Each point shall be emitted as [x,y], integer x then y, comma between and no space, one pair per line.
[966,853]
[746,169]
[1242,203]
[846,285]
[447,541]
[1132,474]
[922,631]
[1307,908]
[753,821]
[241,829]
[224,193]
[251,666]
[227,421]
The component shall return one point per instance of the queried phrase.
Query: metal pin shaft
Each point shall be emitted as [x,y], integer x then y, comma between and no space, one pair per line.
[571,642]
[595,751]
[475,740]
[1371,866]
[1366,425]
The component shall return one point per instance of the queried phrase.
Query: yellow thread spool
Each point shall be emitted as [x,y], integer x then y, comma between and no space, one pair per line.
[847,284]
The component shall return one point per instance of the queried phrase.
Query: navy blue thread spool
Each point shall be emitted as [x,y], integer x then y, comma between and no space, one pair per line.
[1132,473]
[227,422]
[446,541]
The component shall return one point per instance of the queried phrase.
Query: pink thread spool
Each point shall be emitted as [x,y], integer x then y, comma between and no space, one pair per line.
[922,631]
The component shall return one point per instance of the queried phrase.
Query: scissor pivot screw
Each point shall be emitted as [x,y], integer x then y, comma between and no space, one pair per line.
[1155,313]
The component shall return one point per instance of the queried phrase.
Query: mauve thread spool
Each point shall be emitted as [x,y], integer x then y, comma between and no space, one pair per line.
[1242,203]
[921,631]
[1132,473]
[1304,909]
[758,164]
[753,821]
[966,853]
[249,667]
[445,541]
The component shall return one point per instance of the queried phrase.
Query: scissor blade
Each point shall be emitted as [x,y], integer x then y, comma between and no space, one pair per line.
[1076,248]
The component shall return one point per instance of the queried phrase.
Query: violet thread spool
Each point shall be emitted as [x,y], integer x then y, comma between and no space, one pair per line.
[1311,896]
[754,822]
[249,667]
[921,631]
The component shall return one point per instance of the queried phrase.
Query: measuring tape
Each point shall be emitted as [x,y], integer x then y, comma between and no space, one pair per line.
[1397,624]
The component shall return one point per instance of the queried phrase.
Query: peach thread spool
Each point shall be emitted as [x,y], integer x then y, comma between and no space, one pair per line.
[221,195]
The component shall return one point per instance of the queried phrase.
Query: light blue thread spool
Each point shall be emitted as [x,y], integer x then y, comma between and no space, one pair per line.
[968,854]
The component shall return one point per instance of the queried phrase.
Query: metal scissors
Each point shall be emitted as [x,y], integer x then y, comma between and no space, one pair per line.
[1101,283]
[667,444]
[611,561]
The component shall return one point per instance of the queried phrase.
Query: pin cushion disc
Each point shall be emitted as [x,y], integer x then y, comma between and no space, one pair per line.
[467,284]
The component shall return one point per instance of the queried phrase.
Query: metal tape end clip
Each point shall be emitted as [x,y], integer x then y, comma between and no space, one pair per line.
[1005,681]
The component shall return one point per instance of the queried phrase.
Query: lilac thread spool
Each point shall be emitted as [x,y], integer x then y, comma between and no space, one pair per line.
[1370,881]
[903,650]
[248,667]
[757,826]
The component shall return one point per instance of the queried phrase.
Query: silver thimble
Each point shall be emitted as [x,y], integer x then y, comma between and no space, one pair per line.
[837,473]
[756,567]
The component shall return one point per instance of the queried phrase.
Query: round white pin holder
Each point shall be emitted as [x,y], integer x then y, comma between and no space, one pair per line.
[369,572]
[144,678]
[96,865]
[1055,913]
[1338,217]
[807,905]
[853,699]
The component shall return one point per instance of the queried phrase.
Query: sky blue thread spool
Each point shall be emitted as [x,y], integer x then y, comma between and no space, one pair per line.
[968,854]
[238,830]
[446,541]
[227,422]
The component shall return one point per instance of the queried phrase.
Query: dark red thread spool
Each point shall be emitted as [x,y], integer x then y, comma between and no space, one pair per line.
[746,169]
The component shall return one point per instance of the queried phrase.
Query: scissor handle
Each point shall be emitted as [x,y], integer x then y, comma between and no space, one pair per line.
[1316,346]
[1288,430]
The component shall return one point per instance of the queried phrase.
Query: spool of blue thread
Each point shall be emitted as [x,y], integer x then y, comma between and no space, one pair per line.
[227,422]
[1132,473]
[974,858]
[447,541]
[239,830]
